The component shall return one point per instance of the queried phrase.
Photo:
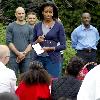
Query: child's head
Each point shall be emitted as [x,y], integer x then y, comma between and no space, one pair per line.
[74,66]
[31,18]
[36,74]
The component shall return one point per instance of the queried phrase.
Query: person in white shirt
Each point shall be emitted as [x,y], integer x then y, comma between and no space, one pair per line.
[7,76]
[8,96]
[90,88]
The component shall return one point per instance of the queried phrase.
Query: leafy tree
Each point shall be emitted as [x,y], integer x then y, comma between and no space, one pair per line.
[70,12]
[8,8]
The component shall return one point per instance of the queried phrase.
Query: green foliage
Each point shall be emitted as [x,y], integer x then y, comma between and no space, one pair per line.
[70,12]
[2,34]
[9,6]
[68,53]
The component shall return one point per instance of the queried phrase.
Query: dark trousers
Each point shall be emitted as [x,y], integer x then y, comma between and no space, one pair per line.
[87,56]
[21,67]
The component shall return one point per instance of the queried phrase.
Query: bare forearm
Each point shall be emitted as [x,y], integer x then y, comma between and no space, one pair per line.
[49,49]
[28,49]
[13,48]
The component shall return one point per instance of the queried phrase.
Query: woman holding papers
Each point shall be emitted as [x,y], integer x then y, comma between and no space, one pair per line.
[47,34]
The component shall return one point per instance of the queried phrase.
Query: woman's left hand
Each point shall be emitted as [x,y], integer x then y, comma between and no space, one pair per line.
[46,49]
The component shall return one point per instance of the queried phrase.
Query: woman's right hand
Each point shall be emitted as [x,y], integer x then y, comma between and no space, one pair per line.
[40,39]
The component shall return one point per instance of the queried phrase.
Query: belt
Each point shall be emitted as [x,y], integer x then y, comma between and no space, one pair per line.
[88,50]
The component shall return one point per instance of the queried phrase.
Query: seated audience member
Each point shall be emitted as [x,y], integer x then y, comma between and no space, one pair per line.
[87,67]
[90,88]
[82,72]
[68,85]
[91,65]
[34,83]
[7,76]
[8,96]
[63,98]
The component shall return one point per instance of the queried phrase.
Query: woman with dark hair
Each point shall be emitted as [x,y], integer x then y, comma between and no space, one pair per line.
[48,33]
[34,84]
[68,85]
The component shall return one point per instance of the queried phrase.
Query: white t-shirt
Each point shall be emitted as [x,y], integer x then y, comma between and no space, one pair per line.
[7,79]
[90,88]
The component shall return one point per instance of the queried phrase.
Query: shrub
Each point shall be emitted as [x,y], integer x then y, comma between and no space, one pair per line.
[2,34]
[68,53]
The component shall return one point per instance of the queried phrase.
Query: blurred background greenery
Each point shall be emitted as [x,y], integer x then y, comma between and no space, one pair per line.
[2,34]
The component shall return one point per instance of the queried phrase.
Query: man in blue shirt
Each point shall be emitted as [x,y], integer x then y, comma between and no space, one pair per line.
[85,38]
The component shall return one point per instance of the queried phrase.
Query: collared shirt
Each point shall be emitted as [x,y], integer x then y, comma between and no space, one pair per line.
[90,88]
[7,79]
[84,37]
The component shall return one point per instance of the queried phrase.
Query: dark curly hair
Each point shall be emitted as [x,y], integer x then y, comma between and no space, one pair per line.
[36,74]
[46,4]
[74,66]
